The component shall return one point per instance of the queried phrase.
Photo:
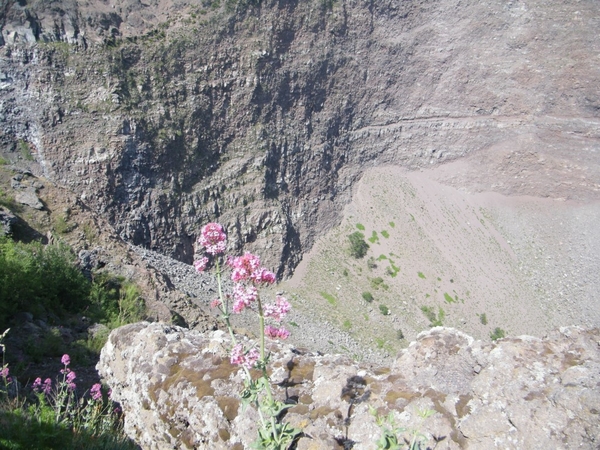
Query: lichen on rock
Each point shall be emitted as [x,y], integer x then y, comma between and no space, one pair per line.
[178,389]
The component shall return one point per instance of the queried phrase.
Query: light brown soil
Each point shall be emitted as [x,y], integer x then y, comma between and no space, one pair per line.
[507,232]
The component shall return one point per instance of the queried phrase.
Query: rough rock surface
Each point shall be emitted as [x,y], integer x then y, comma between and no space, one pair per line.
[178,390]
[7,221]
[164,115]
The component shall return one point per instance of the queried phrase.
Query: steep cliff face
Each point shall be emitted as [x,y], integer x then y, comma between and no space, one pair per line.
[264,114]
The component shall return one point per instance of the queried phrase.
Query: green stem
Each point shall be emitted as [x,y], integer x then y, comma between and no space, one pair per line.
[261,319]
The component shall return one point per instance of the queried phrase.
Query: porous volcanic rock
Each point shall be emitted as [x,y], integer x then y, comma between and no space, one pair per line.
[178,390]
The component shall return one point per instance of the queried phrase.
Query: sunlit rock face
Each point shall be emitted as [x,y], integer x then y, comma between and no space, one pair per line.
[265,114]
[178,390]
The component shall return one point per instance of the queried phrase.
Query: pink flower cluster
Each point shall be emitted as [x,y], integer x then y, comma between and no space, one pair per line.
[246,269]
[278,310]
[247,275]
[243,297]
[240,358]
[70,375]
[45,387]
[213,238]
[214,241]
[96,391]
[243,267]
[276,333]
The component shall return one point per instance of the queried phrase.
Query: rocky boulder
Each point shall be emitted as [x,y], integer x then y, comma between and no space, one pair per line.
[178,390]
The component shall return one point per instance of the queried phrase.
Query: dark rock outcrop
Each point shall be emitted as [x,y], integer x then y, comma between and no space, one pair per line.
[178,389]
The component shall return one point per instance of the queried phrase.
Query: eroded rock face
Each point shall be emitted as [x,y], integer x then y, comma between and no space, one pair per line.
[166,115]
[178,390]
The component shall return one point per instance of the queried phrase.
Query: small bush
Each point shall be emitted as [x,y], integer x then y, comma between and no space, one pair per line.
[377,283]
[385,234]
[360,226]
[371,264]
[384,310]
[421,275]
[367,296]
[434,320]
[358,246]
[498,333]
[347,325]
[399,335]
[115,301]
[483,319]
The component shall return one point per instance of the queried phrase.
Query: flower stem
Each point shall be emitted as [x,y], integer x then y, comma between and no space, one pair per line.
[261,319]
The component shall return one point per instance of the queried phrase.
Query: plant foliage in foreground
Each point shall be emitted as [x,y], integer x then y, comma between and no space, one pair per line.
[248,276]
[49,415]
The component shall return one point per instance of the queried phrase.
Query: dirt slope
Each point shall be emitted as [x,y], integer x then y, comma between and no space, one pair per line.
[528,262]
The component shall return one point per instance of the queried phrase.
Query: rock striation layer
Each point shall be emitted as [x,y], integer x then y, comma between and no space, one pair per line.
[178,390]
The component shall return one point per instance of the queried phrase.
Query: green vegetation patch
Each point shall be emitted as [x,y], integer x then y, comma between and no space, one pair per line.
[360,226]
[358,246]
[421,275]
[377,283]
[498,333]
[330,298]
[374,237]
[367,296]
[25,150]
[392,224]
[435,320]
[449,298]
[483,319]
[384,310]
[392,270]
[385,234]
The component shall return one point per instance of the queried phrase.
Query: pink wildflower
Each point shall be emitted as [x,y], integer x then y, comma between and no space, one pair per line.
[37,384]
[215,303]
[96,391]
[243,296]
[4,372]
[251,358]
[71,376]
[237,355]
[212,238]
[239,358]
[276,333]
[244,266]
[47,386]
[263,275]
[279,310]
[201,264]
[66,360]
